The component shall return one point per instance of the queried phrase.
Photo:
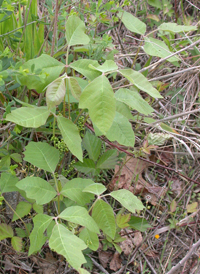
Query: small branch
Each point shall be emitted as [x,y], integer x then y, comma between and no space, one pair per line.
[187,256]
[173,54]
[100,267]
[145,160]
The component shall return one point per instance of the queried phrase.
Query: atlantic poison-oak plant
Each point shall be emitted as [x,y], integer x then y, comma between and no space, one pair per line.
[109,113]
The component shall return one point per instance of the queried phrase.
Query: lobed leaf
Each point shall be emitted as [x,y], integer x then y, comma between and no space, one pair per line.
[38,189]
[28,116]
[70,136]
[103,215]
[79,215]
[127,199]
[98,97]
[68,245]
[42,155]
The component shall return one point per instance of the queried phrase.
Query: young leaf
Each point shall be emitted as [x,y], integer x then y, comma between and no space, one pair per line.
[122,220]
[82,66]
[121,131]
[68,245]
[155,47]
[79,215]
[98,97]
[38,189]
[55,93]
[108,159]
[29,117]
[8,182]
[134,100]
[174,28]
[37,239]
[42,155]
[16,243]
[90,238]
[75,31]
[96,189]
[132,23]
[70,136]
[93,145]
[74,87]
[128,200]
[74,190]
[22,209]
[45,63]
[5,231]
[140,81]
[103,215]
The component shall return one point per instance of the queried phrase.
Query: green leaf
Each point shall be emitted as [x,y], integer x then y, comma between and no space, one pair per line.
[134,100]
[132,23]
[38,208]
[155,3]
[103,215]
[98,97]
[90,238]
[68,245]
[55,93]
[45,63]
[95,188]
[70,136]
[155,47]
[8,182]
[5,231]
[140,81]
[42,155]
[139,223]
[29,117]
[92,144]
[128,200]
[108,159]
[79,215]
[16,157]
[87,166]
[82,66]
[174,28]
[74,191]
[37,238]
[74,87]
[75,29]
[16,243]
[83,271]
[121,131]
[38,189]
[22,209]
[123,109]
[108,65]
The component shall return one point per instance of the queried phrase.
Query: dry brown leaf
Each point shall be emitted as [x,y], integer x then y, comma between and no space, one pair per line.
[46,267]
[116,261]
[137,240]
[125,179]
[176,187]
[127,245]
[149,252]
[105,257]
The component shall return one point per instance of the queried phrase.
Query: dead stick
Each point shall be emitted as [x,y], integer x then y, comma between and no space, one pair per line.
[187,256]
[143,159]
